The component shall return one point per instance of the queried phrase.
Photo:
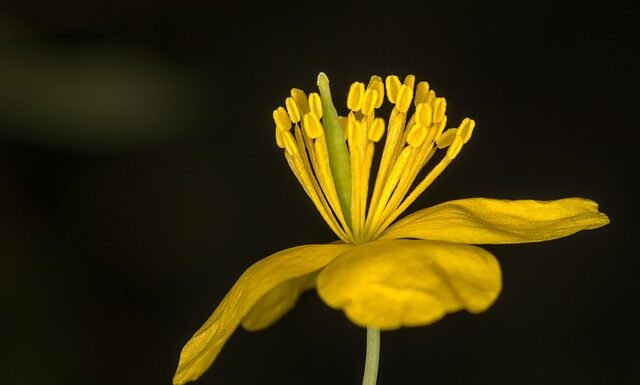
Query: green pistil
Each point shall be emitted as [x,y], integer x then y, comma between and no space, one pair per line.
[339,159]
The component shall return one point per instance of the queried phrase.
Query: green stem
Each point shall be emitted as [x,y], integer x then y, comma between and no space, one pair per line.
[339,159]
[372,358]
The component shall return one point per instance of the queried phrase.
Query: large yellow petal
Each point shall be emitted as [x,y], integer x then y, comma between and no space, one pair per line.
[392,283]
[265,275]
[277,302]
[483,221]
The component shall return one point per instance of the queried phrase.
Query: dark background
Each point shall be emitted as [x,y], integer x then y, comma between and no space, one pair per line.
[139,177]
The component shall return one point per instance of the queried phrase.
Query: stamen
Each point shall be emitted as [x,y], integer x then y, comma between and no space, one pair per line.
[281,118]
[298,171]
[422,92]
[301,100]
[315,104]
[390,184]
[391,148]
[417,135]
[331,156]
[393,85]
[409,81]
[292,110]
[290,143]
[375,83]
[439,108]
[369,100]
[447,138]
[354,98]
[455,147]
[403,99]
[376,130]
[312,126]
[279,140]
[319,175]
[466,129]
[423,114]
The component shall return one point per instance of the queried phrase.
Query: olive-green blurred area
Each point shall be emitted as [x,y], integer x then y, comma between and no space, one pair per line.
[139,177]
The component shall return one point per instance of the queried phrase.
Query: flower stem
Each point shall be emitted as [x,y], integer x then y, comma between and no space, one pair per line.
[372,358]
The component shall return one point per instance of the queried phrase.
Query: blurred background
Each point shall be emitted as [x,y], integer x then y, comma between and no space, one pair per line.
[139,177]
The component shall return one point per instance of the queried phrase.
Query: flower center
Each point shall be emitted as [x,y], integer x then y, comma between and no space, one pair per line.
[333,161]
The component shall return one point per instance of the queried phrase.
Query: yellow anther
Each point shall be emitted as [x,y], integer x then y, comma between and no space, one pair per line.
[439,108]
[315,104]
[431,96]
[454,148]
[354,98]
[466,129]
[409,81]
[301,100]
[403,99]
[376,130]
[393,86]
[447,138]
[376,84]
[422,93]
[424,114]
[292,109]
[312,126]
[369,100]
[281,118]
[416,135]
[289,143]
[279,140]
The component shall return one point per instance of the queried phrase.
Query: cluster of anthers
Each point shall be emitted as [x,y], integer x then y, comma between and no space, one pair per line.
[411,142]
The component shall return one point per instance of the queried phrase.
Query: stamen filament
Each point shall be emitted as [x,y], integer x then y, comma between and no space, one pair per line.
[391,145]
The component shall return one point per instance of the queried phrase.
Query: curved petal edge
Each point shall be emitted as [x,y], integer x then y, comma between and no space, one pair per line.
[498,221]
[388,284]
[259,279]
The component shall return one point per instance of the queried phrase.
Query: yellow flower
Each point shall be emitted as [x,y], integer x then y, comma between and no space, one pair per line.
[382,274]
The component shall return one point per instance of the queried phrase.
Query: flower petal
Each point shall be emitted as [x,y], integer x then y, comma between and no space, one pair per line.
[392,283]
[483,221]
[200,351]
[277,302]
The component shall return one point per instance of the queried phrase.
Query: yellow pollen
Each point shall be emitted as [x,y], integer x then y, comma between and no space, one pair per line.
[454,147]
[376,130]
[312,126]
[422,93]
[292,110]
[424,114]
[439,109]
[466,129]
[409,81]
[412,139]
[315,104]
[375,83]
[447,138]
[279,140]
[403,99]
[354,98]
[393,85]
[416,136]
[281,118]
[369,100]
[301,100]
